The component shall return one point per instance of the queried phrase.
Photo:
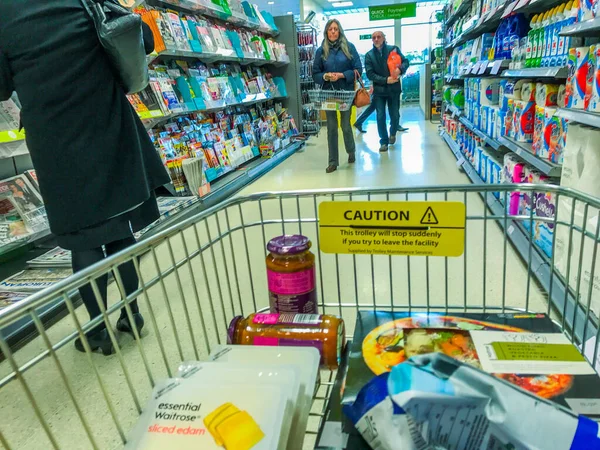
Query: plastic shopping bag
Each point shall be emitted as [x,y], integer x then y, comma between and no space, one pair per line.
[394,62]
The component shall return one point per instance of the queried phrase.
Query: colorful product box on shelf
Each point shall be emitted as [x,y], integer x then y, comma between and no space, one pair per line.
[513,173]
[546,94]
[538,127]
[523,120]
[578,77]
[587,9]
[528,91]
[489,91]
[594,83]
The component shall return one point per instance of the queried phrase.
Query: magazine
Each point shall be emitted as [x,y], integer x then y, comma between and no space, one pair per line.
[12,226]
[10,298]
[34,279]
[27,201]
[33,179]
[56,257]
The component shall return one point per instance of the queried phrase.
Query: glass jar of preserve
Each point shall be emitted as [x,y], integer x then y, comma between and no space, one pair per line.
[291,275]
[324,332]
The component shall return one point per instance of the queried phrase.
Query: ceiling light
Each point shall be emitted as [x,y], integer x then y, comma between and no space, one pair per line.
[341,4]
[271,3]
[289,13]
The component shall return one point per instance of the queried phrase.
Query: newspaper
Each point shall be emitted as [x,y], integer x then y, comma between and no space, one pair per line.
[10,118]
[168,207]
[26,201]
[10,298]
[56,257]
[34,279]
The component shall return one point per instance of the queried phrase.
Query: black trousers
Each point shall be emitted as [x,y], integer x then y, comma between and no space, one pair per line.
[85,258]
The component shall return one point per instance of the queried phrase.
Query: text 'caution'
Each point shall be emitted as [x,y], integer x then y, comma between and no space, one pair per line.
[393,228]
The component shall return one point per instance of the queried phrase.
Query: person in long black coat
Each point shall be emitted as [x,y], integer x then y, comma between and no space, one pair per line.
[96,165]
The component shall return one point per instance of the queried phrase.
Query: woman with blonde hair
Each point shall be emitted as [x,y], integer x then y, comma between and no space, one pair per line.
[333,69]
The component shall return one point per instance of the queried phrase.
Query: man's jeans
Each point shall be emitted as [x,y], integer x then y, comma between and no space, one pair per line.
[365,115]
[332,135]
[393,104]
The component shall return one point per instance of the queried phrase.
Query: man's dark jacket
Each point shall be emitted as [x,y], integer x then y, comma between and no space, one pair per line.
[378,72]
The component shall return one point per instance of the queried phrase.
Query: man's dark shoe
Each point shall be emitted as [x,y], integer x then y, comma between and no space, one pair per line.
[383,148]
[392,140]
[359,128]
[351,158]
[401,128]
[331,169]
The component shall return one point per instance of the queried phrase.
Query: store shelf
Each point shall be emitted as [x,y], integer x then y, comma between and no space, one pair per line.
[252,99]
[212,57]
[537,72]
[454,110]
[213,11]
[524,151]
[461,161]
[228,185]
[588,28]
[580,116]
[462,9]
[562,298]
[485,137]
[537,6]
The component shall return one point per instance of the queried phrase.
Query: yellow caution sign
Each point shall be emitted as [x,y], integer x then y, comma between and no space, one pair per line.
[393,228]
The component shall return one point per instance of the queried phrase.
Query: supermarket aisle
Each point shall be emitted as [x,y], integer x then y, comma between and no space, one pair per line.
[420,158]
[187,310]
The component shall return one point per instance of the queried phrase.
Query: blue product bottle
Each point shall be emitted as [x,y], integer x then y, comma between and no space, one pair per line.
[499,40]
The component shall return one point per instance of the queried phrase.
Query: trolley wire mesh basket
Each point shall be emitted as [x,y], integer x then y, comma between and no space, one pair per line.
[197,275]
[332,100]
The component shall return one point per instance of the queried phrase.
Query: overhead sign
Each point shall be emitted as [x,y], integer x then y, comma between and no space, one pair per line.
[365,37]
[387,12]
[393,228]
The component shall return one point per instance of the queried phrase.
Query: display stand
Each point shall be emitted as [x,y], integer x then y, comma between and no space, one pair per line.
[561,295]
[221,187]
[307,44]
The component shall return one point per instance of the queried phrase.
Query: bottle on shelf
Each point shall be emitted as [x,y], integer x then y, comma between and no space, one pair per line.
[531,44]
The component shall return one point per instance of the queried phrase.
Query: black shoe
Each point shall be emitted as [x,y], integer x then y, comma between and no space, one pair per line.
[359,128]
[125,326]
[351,158]
[98,340]
[392,140]
[401,128]
[383,148]
[331,169]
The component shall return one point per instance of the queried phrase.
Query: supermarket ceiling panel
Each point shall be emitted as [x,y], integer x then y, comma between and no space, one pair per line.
[281,7]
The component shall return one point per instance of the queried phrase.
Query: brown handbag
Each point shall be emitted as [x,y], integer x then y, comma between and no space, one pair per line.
[362,97]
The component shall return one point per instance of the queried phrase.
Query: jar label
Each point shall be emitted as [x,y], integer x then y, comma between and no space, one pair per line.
[293,292]
[287,319]
[283,342]
[291,283]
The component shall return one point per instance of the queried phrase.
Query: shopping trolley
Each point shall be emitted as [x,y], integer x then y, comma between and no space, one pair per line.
[332,100]
[200,273]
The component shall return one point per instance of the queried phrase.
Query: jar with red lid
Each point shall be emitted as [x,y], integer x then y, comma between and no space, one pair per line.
[291,275]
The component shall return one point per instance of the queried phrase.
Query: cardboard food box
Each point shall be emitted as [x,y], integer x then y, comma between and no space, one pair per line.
[385,339]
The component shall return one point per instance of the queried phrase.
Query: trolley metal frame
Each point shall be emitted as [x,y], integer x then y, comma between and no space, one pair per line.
[207,269]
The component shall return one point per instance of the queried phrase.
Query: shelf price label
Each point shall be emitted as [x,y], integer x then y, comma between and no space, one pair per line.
[496,67]
[11,136]
[482,67]
[392,228]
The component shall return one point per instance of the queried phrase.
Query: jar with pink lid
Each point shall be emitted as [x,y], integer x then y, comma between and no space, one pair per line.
[291,275]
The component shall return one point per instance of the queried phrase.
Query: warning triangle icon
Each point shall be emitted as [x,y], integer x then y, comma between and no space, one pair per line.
[429,217]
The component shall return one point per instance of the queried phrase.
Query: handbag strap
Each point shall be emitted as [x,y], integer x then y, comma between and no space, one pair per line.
[358,78]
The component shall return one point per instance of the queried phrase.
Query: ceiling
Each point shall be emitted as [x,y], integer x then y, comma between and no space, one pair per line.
[282,7]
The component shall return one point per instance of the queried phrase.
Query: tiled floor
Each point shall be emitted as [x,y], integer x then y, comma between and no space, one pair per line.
[187,309]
